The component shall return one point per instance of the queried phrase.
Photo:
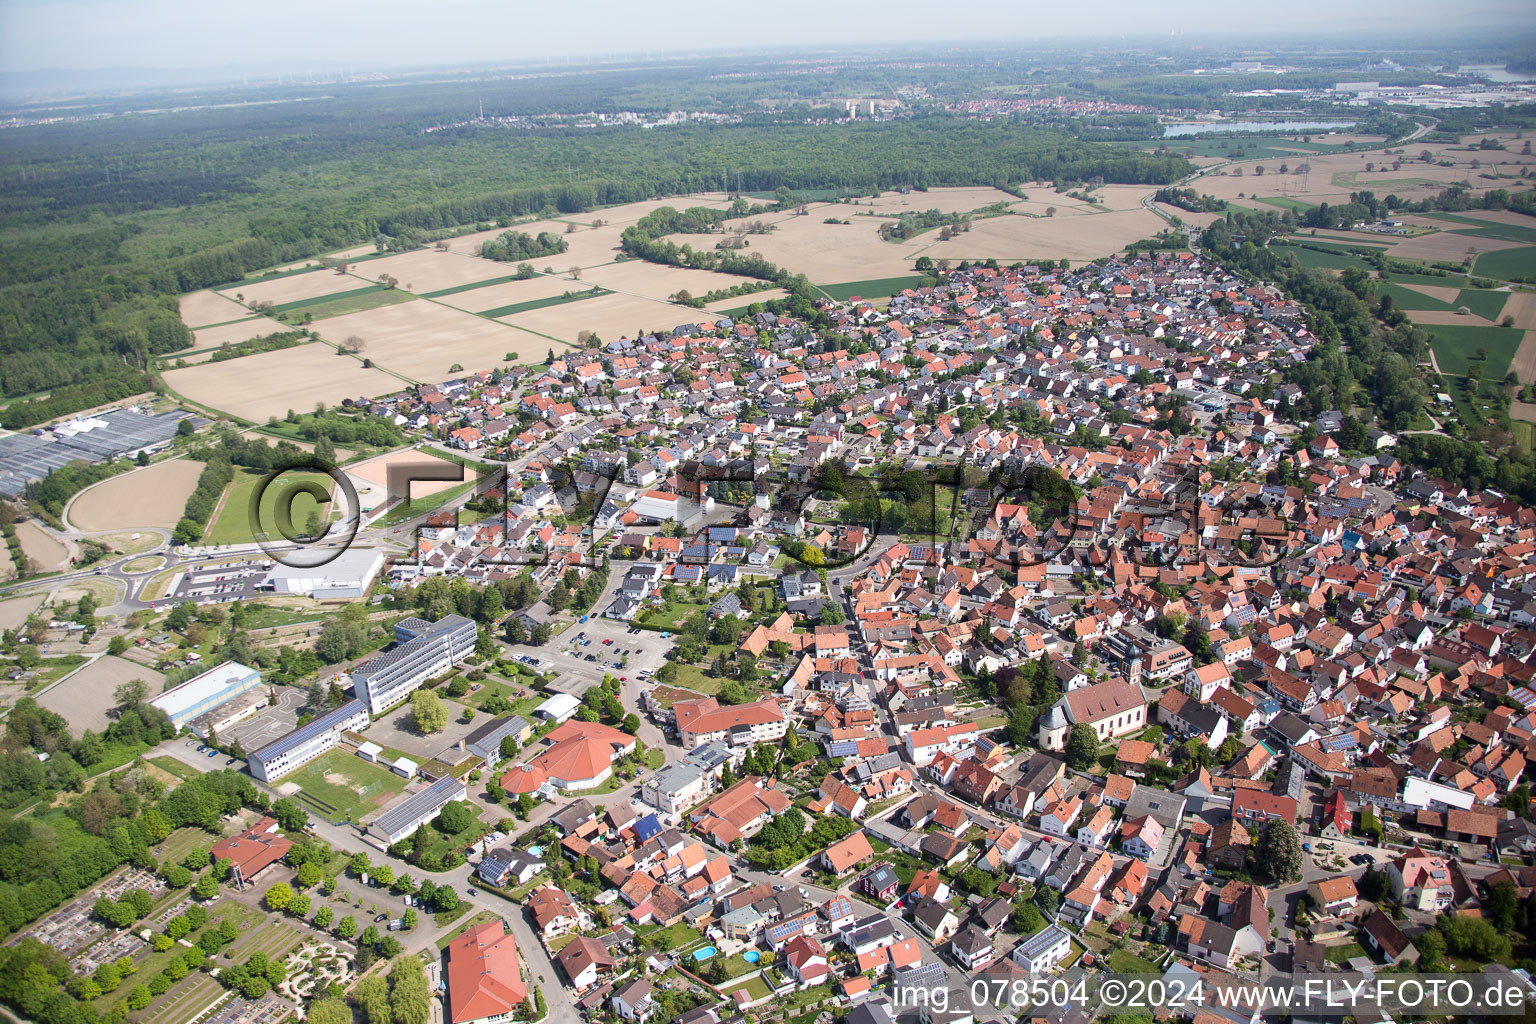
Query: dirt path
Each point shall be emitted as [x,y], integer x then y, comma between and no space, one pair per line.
[1524,362]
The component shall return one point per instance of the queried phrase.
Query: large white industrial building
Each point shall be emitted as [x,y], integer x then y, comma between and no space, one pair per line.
[348,575]
[206,692]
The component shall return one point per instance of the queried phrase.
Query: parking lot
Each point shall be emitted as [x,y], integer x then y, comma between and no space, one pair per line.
[567,656]
[221,581]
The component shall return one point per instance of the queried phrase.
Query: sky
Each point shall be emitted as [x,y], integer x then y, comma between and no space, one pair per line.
[384,34]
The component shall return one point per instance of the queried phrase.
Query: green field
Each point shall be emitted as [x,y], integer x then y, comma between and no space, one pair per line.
[1257,147]
[354,789]
[458,288]
[1407,298]
[233,524]
[879,288]
[553,300]
[356,302]
[1333,260]
[1287,203]
[1486,228]
[1456,347]
[1507,264]
[1485,304]
[322,300]
[1525,433]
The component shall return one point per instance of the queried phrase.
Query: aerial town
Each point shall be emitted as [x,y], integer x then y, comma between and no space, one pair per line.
[943,535]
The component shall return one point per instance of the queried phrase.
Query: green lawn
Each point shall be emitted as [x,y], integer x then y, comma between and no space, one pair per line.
[233,525]
[175,766]
[350,786]
[1407,298]
[678,936]
[1348,951]
[879,288]
[692,677]
[672,616]
[1456,346]
[1525,433]
[1287,203]
[1123,961]
[1507,264]
[1333,260]
[735,966]
[755,987]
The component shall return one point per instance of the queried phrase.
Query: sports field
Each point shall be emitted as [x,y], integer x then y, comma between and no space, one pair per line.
[233,524]
[343,786]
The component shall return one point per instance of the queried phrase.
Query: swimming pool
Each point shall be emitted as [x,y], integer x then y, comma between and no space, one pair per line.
[705,953]
[751,956]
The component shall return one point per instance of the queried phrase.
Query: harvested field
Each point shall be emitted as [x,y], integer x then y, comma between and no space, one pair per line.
[271,383]
[829,252]
[428,270]
[356,251]
[375,471]
[230,334]
[611,316]
[152,496]
[1022,238]
[623,216]
[1448,317]
[1446,245]
[1434,291]
[1521,306]
[510,293]
[209,307]
[294,287]
[746,300]
[654,281]
[41,547]
[945,200]
[585,247]
[1524,361]
[422,339]
[85,697]
[13,613]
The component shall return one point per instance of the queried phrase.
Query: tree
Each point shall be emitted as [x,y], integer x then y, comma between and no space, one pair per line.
[408,996]
[427,712]
[289,815]
[456,817]
[1500,906]
[1082,747]
[1278,853]
[205,888]
[408,919]
[346,928]
[446,899]
[278,897]
[333,1011]
[308,875]
[372,996]
[324,916]
[1025,918]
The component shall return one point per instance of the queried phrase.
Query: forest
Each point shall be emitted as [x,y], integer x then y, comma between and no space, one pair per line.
[96,252]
